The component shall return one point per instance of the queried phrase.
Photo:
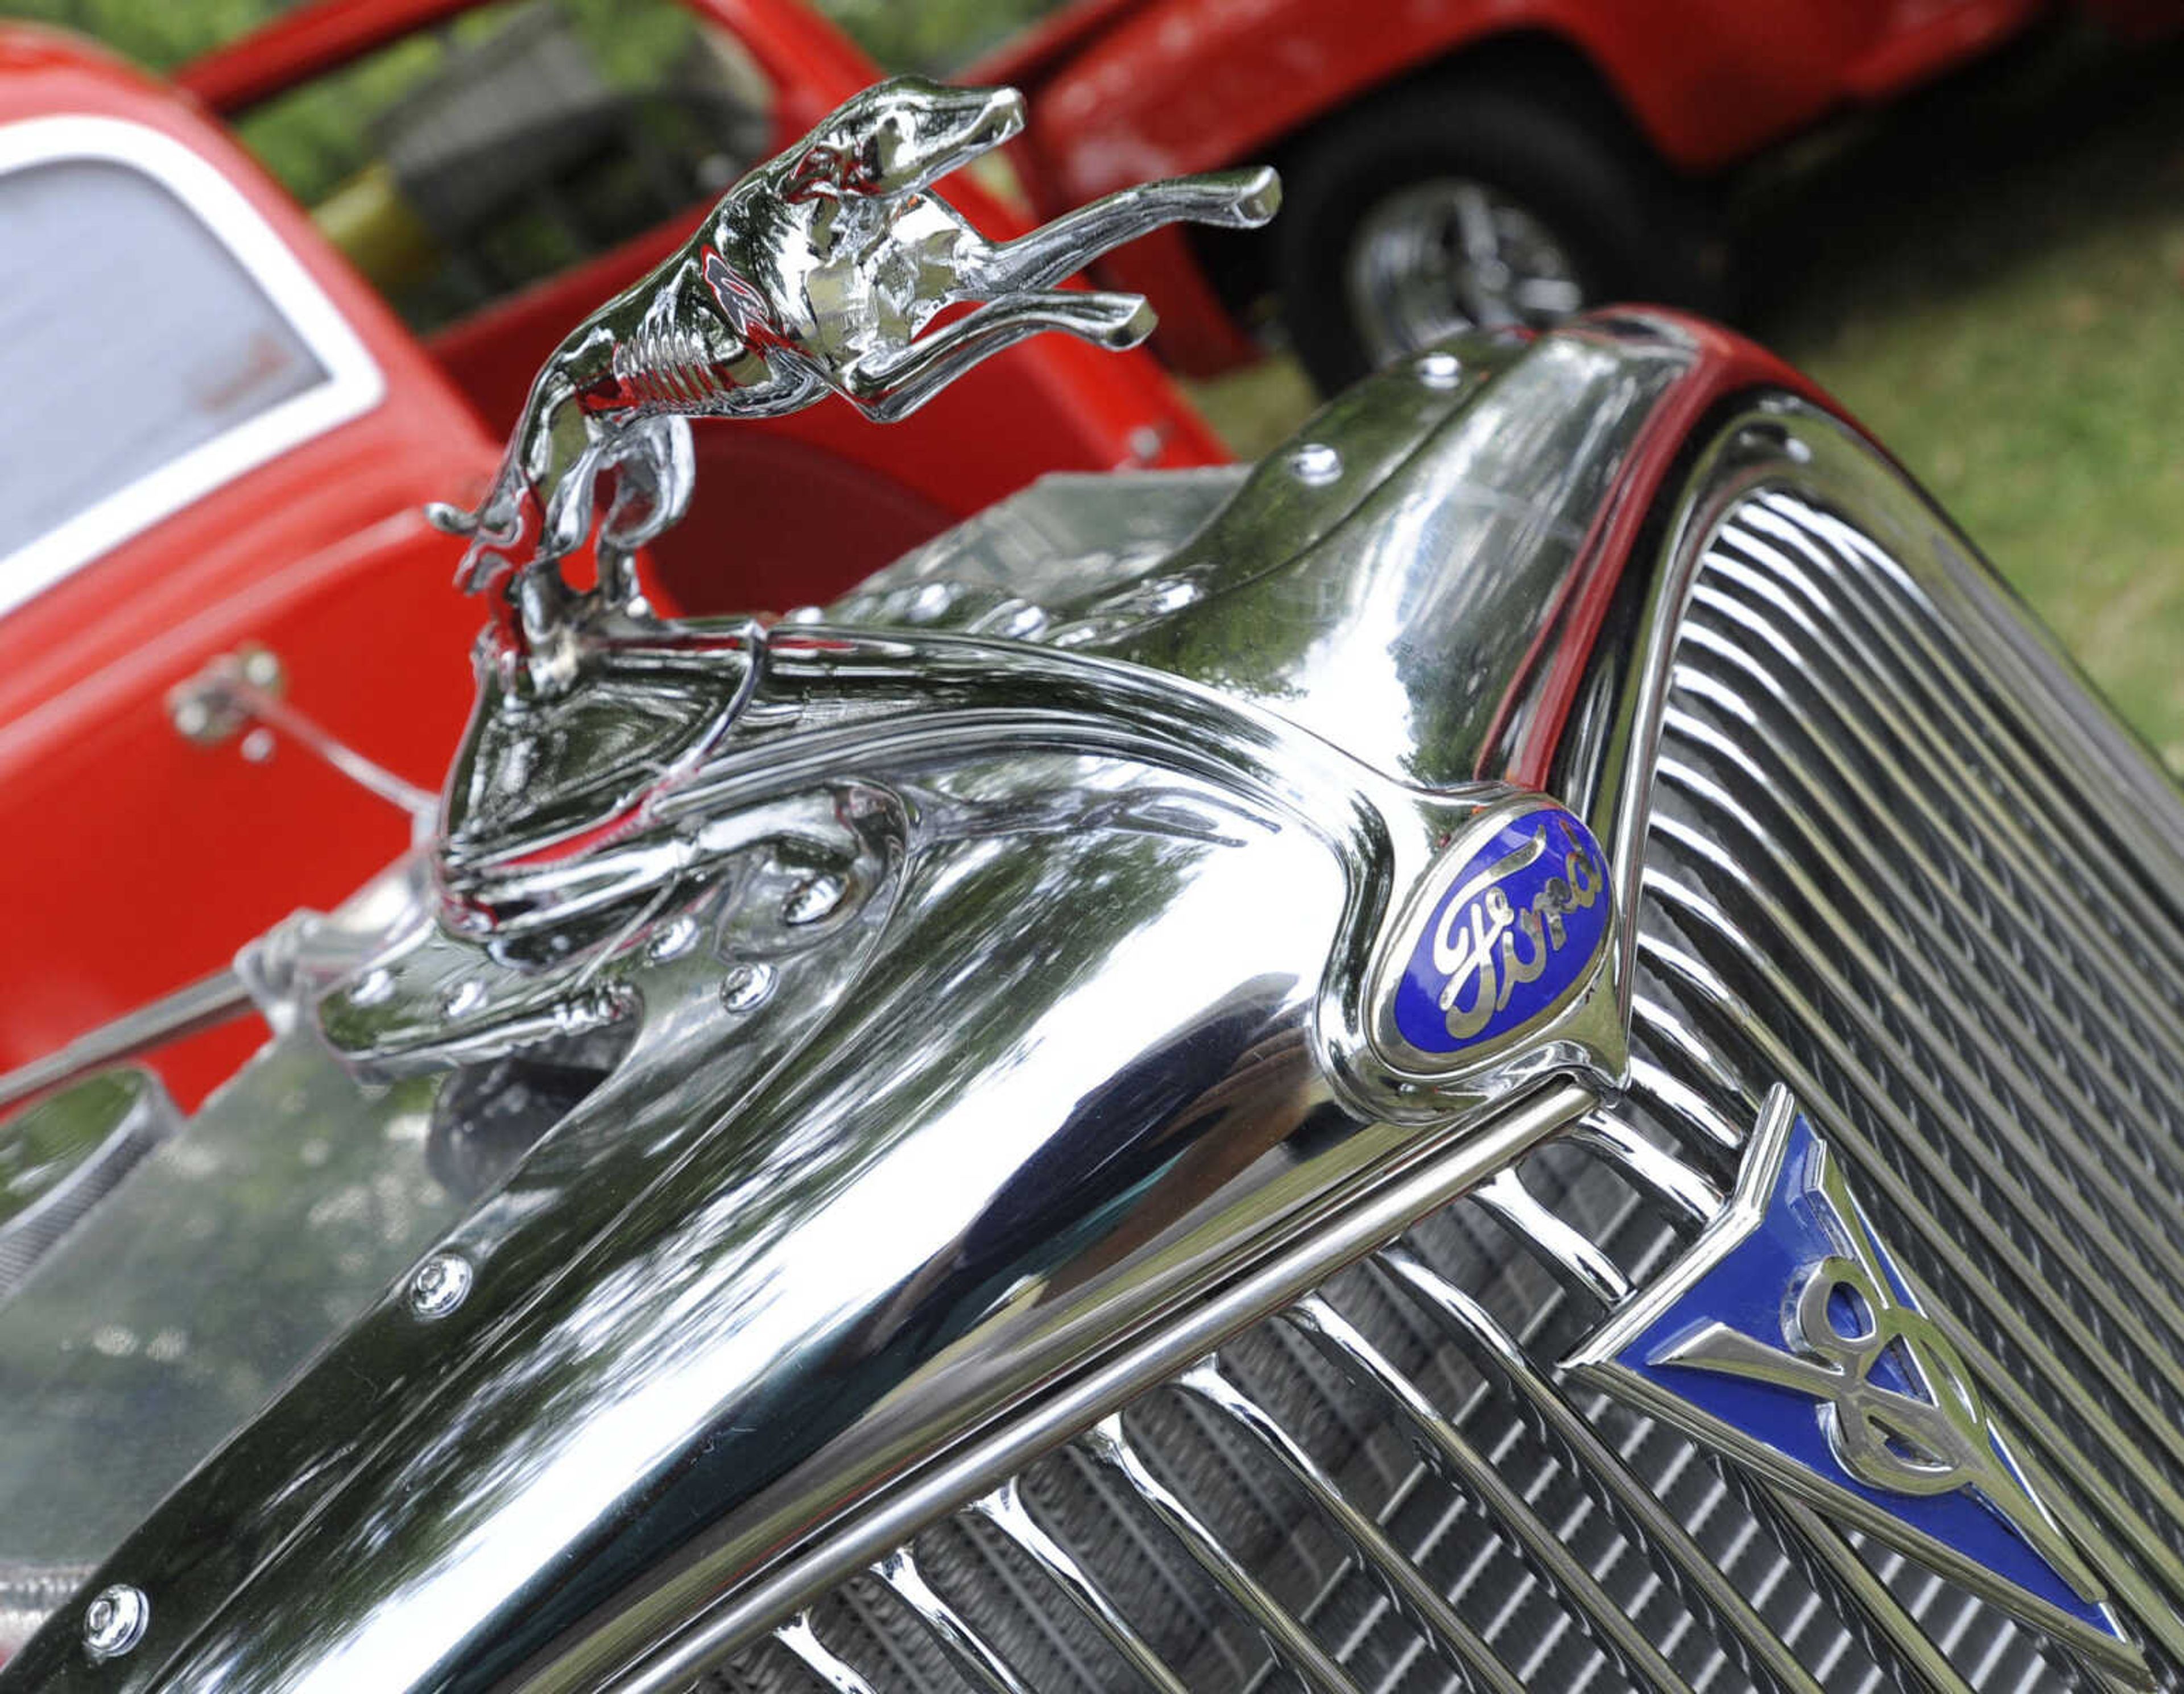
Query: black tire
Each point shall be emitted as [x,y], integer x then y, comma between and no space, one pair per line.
[1630,230]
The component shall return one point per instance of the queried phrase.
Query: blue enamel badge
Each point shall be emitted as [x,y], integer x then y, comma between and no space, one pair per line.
[1512,923]
[1787,1337]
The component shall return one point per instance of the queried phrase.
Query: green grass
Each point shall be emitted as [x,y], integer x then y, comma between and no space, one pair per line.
[2041,406]
[1993,283]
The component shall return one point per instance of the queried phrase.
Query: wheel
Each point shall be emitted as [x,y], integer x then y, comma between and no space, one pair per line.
[1459,204]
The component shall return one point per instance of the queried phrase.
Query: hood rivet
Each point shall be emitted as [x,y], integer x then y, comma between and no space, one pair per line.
[115,1621]
[1315,463]
[439,1286]
[746,986]
[673,940]
[1438,370]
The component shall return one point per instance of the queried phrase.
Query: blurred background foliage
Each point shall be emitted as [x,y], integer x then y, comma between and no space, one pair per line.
[932,35]
[1991,275]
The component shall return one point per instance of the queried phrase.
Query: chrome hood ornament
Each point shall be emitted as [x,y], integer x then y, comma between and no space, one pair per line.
[817,274]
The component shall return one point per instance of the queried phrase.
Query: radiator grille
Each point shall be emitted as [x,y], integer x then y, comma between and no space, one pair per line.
[1867,875]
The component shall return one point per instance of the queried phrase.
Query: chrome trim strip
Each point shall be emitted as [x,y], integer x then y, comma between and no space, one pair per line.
[354,386]
[205,1004]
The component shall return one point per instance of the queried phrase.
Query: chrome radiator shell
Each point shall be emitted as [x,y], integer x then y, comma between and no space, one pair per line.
[1883,845]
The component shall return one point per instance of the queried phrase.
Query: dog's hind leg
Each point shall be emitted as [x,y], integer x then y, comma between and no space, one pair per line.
[1231,199]
[896,384]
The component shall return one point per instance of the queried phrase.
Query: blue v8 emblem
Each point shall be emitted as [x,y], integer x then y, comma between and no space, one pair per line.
[1787,1337]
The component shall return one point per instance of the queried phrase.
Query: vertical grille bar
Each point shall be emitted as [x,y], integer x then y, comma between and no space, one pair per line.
[1470,1324]
[977,1663]
[803,1643]
[1604,1620]
[1005,1509]
[1290,1640]
[1482,1668]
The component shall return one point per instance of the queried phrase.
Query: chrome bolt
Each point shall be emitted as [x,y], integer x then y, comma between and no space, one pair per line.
[258,745]
[814,898]
[1438,370]
[674,940]
[746,987]
[115,1621]
[1315,463]
[439,1286]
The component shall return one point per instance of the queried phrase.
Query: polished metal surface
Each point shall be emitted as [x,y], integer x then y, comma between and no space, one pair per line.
[1395,610]
[905,1093]
[178,1305]
[791,1242]
[820,272]
[439,1286]
[114,1622]
[1211,1547]
[1439,257]
[60,1157]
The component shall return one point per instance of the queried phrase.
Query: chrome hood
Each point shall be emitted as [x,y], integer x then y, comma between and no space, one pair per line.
[959,982]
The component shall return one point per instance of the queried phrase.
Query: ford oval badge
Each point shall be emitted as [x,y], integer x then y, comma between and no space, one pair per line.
[1511,925]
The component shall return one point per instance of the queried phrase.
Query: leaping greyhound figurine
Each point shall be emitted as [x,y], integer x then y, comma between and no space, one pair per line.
[815,275]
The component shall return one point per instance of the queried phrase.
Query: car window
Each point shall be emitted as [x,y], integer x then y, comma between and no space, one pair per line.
[466,161]
[170,339]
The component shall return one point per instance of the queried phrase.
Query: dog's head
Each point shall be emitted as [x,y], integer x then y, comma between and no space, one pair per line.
[900,137]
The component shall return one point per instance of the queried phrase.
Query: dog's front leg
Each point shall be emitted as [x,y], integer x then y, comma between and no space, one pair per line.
[891,384]
[1232,199]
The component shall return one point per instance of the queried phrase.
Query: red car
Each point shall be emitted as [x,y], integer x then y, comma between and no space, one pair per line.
[1456,162]
[227,466]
